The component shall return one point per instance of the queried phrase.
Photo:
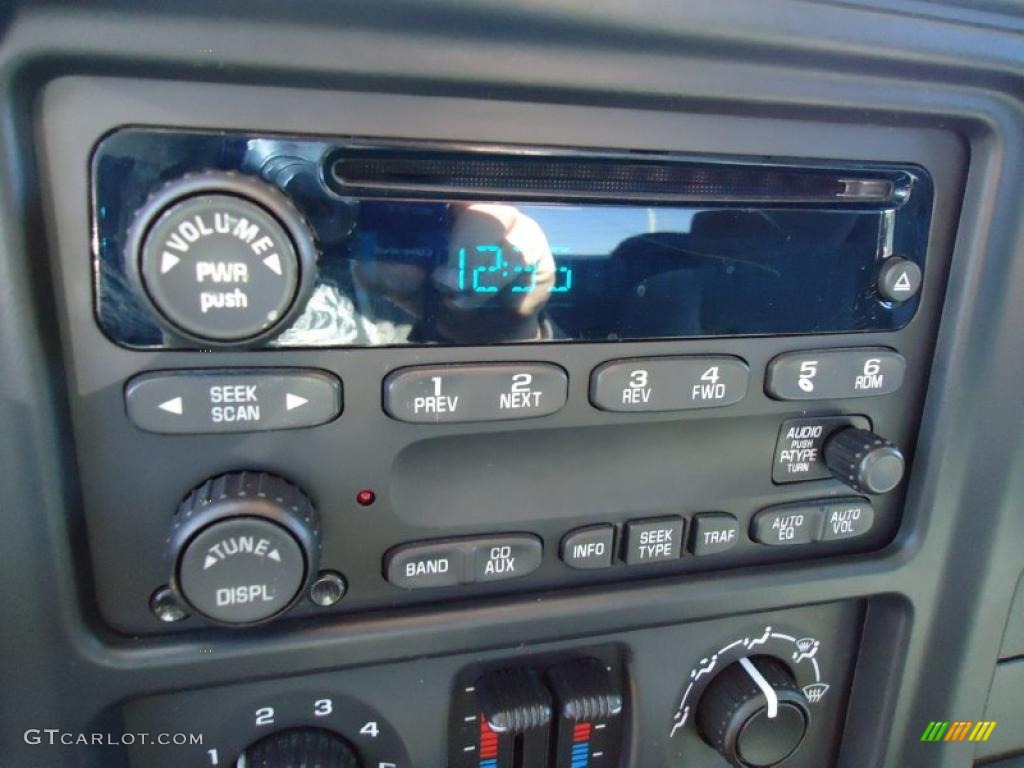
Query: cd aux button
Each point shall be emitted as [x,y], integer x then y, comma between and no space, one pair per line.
[232,400]
[484,392]
[668,383]
[835,374]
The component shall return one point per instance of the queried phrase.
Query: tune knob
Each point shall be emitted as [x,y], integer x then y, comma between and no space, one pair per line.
[244,545]
[753,713]
[864,461]
[222,258]
[300,748]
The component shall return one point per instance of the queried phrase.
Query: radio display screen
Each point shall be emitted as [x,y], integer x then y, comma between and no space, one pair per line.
[451,269]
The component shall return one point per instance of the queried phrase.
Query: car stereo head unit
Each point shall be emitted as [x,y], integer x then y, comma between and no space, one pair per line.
[220,239]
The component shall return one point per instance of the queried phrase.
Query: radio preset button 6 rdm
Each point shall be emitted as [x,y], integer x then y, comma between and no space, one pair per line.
[835,374]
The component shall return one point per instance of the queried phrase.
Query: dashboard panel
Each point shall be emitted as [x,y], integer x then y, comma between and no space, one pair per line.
[440,415]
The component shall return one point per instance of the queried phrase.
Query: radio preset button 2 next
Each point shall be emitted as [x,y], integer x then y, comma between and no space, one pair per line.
[655,540]
[668,383]
[447,563]
[232,400]
[835,374]
[484,392]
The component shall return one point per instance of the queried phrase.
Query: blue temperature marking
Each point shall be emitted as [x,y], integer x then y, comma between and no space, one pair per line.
[499,267]
[488,764]
[581,755]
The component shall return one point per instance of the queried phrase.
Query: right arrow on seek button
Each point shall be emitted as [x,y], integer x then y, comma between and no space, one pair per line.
[291,402]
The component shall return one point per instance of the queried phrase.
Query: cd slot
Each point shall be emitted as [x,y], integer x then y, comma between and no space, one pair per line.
[426,173]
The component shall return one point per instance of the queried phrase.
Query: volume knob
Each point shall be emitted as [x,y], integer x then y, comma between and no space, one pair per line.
[244,545]
[864,461]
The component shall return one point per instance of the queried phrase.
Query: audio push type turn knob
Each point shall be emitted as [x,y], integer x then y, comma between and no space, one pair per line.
[245,546]
[754,713]
[300,748]
[224,259]
[864,461]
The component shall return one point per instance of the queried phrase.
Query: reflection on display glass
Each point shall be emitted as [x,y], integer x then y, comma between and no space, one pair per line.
[399,270]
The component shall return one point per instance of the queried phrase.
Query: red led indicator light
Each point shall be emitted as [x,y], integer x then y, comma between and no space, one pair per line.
[366,498]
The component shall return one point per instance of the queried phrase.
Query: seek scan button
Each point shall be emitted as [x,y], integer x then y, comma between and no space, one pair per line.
[655,540]
[589,548]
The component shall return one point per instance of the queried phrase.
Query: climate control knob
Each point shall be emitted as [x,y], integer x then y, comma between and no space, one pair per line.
[300,748]
[864,461]
[754,713]
[245,545]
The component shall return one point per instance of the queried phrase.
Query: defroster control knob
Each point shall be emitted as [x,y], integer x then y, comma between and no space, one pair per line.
[864,461]
[245,547]
[753,713]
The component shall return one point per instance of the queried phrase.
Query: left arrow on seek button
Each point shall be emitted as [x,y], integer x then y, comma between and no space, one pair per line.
[175,405]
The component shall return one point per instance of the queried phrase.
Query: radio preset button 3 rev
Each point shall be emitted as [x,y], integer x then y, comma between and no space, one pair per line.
[656,540]
[668,383]
[485,392]
[232,400]
[429,564]
[835,374]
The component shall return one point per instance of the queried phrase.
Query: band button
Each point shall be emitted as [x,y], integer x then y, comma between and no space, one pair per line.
[422,566]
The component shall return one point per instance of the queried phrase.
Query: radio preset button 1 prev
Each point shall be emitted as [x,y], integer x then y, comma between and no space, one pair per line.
[668,383]
[232,400]
[835,374]
[484,392]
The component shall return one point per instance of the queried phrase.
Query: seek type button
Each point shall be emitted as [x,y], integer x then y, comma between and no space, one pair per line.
[653,541]
[798,451]
[486,392]
[232,400]
[787,525]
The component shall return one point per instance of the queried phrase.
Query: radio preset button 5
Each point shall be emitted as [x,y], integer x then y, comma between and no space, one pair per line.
[669,383]
[589,548]
[835,374]
[787,524]
[232,400]
[653,541]
[485,392]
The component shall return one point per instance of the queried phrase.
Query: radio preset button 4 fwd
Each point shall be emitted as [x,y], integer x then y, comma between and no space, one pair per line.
[835,374]
[485,392]
[668,383]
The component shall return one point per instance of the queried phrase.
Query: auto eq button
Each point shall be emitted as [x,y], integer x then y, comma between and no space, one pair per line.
[835,374]
[787,525]
[668,383]
[232,400]
[484,392]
